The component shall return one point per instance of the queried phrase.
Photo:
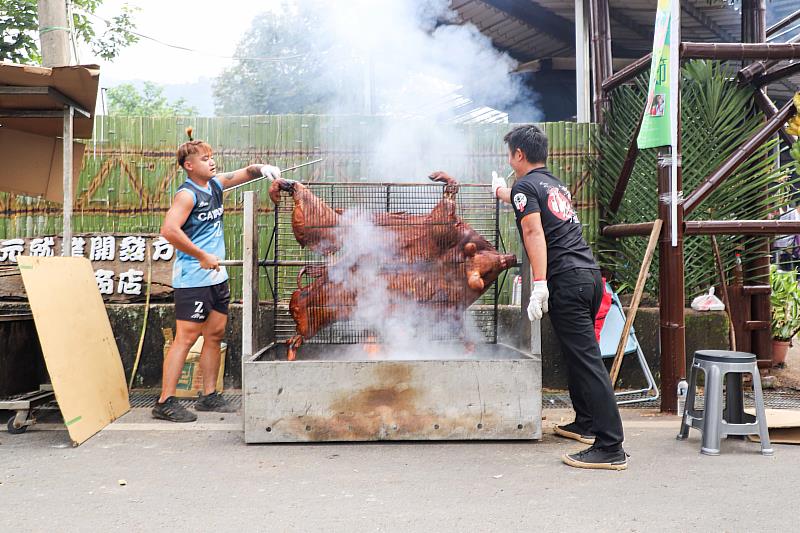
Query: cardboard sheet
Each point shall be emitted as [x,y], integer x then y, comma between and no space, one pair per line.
[78,82]
[40,171]
[77,342]
[783,424]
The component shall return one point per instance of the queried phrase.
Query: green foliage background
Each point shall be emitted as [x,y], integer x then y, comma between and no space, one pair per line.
[19,28]
[718,116]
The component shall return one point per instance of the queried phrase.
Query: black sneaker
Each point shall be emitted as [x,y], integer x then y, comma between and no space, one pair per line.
[214,402]
[597,459]
[173,411]
[572,431]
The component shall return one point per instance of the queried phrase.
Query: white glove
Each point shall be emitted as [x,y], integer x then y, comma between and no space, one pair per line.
[497,182]
[271,172]
[538,304]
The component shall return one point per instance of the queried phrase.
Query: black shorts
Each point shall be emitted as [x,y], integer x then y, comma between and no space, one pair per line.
[195,303]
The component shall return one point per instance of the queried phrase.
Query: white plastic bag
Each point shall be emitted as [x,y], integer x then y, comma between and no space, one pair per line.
[708,302]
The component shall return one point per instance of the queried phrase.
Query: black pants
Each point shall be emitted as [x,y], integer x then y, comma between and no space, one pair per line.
[575,298]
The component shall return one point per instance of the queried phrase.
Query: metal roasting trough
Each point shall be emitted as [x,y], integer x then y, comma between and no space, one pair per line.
[343,386]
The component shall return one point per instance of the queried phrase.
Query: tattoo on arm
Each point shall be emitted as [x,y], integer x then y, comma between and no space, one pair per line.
[225,176]
[253,171]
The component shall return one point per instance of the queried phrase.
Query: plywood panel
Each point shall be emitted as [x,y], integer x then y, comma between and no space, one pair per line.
[77,342]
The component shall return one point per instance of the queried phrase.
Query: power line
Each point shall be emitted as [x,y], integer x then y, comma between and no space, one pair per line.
[201,52]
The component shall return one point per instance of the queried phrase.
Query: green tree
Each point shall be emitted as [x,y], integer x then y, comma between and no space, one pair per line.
[19,24]
[126,100]
[295,84]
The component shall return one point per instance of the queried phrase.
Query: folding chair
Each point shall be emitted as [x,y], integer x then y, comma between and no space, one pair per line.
[610,327]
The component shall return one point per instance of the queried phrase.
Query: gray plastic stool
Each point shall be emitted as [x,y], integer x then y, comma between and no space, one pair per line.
[710,420]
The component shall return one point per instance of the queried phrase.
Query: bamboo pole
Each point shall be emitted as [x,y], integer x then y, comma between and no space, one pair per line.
[742,227]
[754,21]
[767,107]
[724,286]
[616,231]
[777,74]
[740,52]
[627,73]
[783,23]
[758,68]
[637,297]
[742,154]
[754,29]
[601,48]
[627,169]
[711,227]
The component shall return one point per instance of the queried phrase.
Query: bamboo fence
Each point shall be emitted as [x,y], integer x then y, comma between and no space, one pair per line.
[129,173]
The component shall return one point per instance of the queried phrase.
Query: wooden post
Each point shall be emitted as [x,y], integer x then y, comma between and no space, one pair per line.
[754,30]
[53,33]
[249,277]
[66,243]
[671,289]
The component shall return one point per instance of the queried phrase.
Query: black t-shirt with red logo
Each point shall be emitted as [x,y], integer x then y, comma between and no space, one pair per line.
[541,192]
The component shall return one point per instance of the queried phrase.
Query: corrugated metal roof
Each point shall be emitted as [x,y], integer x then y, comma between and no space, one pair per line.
[544,29]
[631,25]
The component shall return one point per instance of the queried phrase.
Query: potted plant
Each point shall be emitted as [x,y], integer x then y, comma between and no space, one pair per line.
[785,301]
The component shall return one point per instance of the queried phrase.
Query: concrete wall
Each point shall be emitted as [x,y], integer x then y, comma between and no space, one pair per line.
[703,331]
[126,322]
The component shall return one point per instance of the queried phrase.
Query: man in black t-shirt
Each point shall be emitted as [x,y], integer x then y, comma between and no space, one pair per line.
[567,282]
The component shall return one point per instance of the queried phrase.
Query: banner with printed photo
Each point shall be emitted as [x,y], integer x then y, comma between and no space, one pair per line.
[655,129]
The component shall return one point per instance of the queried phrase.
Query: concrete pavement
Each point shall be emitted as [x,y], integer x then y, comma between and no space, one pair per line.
[200,477]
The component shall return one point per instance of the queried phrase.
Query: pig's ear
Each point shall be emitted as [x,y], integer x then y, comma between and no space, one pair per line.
[470,249]
[474,281]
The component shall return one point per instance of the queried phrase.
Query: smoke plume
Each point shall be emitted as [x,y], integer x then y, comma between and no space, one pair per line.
[403,328]
[410,61]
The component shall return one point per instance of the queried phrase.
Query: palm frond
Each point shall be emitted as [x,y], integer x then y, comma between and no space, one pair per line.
[718,115]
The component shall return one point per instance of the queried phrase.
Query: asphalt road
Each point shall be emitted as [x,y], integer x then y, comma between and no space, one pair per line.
[202,477]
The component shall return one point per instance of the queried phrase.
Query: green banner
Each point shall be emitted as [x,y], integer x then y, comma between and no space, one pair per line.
[655,129]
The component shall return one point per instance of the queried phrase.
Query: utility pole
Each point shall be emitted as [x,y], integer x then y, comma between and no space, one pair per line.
[54,33]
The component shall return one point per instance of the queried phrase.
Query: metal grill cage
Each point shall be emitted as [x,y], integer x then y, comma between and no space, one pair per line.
[475,206]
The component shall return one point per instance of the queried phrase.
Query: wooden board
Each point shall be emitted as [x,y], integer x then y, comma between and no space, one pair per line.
[77,342]
[783,424]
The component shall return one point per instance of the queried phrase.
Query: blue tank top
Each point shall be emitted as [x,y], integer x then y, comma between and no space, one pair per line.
[204,229]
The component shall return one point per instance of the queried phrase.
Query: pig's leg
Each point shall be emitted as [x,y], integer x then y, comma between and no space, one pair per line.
[293,343]
[278,185]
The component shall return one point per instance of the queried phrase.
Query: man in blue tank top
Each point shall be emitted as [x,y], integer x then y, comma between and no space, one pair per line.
[193,225]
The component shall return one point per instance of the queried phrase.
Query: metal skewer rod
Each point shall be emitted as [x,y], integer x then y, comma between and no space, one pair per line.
[269,262]
[301,165]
